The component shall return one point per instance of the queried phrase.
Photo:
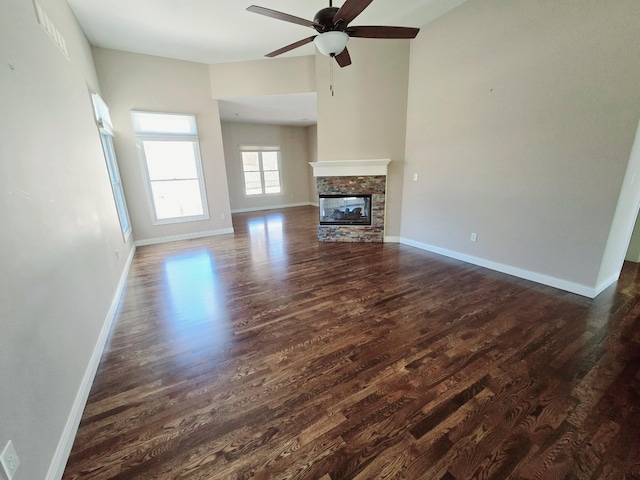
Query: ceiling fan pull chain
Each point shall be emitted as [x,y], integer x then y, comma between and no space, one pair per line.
[331,75]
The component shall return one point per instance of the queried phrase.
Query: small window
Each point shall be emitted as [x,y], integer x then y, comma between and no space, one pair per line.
[261,170]
[170,155]
[103,118]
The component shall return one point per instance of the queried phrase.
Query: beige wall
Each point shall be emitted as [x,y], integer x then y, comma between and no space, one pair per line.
[293,144]
[141,82]
[312,149]
[274,76]
[520,125]
[60,230]
[366,117]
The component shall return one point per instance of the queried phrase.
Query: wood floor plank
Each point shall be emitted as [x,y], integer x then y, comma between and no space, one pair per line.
[267,355]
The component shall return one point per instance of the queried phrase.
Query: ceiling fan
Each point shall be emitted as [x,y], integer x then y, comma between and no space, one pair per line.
[332,25]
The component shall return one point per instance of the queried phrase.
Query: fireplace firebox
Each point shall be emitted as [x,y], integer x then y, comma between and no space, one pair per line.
[345,209]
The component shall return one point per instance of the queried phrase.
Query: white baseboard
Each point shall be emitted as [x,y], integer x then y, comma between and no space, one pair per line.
[61,455]
[606,284]
[273,207]
[185,236]
[559,283]
[391,239]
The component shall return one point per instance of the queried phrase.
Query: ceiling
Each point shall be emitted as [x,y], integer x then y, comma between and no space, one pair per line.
[221,31]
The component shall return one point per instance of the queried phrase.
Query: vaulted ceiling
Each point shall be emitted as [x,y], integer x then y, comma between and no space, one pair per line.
[221,31]
[218,31]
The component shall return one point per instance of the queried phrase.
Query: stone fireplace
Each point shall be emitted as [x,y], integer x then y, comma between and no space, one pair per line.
[351,180]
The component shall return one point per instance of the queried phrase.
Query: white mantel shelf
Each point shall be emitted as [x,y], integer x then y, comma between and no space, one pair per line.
[350,168]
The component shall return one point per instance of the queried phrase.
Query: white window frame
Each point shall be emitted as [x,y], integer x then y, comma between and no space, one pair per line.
[103,119]
[259,149]
[191,137]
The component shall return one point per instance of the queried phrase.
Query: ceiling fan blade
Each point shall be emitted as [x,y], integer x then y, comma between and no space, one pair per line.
[343,58]
[281,16]
[297,44]
[349,10]
[382,32]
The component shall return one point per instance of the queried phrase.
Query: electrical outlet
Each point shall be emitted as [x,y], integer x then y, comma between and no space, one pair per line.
[222,216]
[9,460]
[117,255]
[415,177]
[474,237]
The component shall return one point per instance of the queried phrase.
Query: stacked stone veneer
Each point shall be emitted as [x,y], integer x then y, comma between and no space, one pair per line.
[374,185]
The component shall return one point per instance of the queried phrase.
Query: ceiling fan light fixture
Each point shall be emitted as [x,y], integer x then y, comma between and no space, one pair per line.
[331,43]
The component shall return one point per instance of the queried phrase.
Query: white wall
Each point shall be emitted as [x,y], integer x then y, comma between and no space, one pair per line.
[366,117]
[520,125]
[132,81]
[293,154]
[60,230]
[624,219]
[633,252]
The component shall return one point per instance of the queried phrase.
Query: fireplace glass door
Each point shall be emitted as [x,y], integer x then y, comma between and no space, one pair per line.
[345,209]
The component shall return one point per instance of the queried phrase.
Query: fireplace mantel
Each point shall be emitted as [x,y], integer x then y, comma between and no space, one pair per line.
[350,168]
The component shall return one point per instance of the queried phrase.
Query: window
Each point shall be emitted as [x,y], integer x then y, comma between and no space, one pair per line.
[170,156]
[261,170]
[103,118]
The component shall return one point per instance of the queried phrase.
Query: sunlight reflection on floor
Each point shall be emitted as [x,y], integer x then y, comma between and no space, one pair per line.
[267,240]
[196,300]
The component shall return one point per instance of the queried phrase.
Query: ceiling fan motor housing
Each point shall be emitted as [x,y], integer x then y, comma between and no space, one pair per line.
[324,18]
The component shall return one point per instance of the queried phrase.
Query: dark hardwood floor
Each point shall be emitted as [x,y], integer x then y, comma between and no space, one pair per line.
[265,354]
